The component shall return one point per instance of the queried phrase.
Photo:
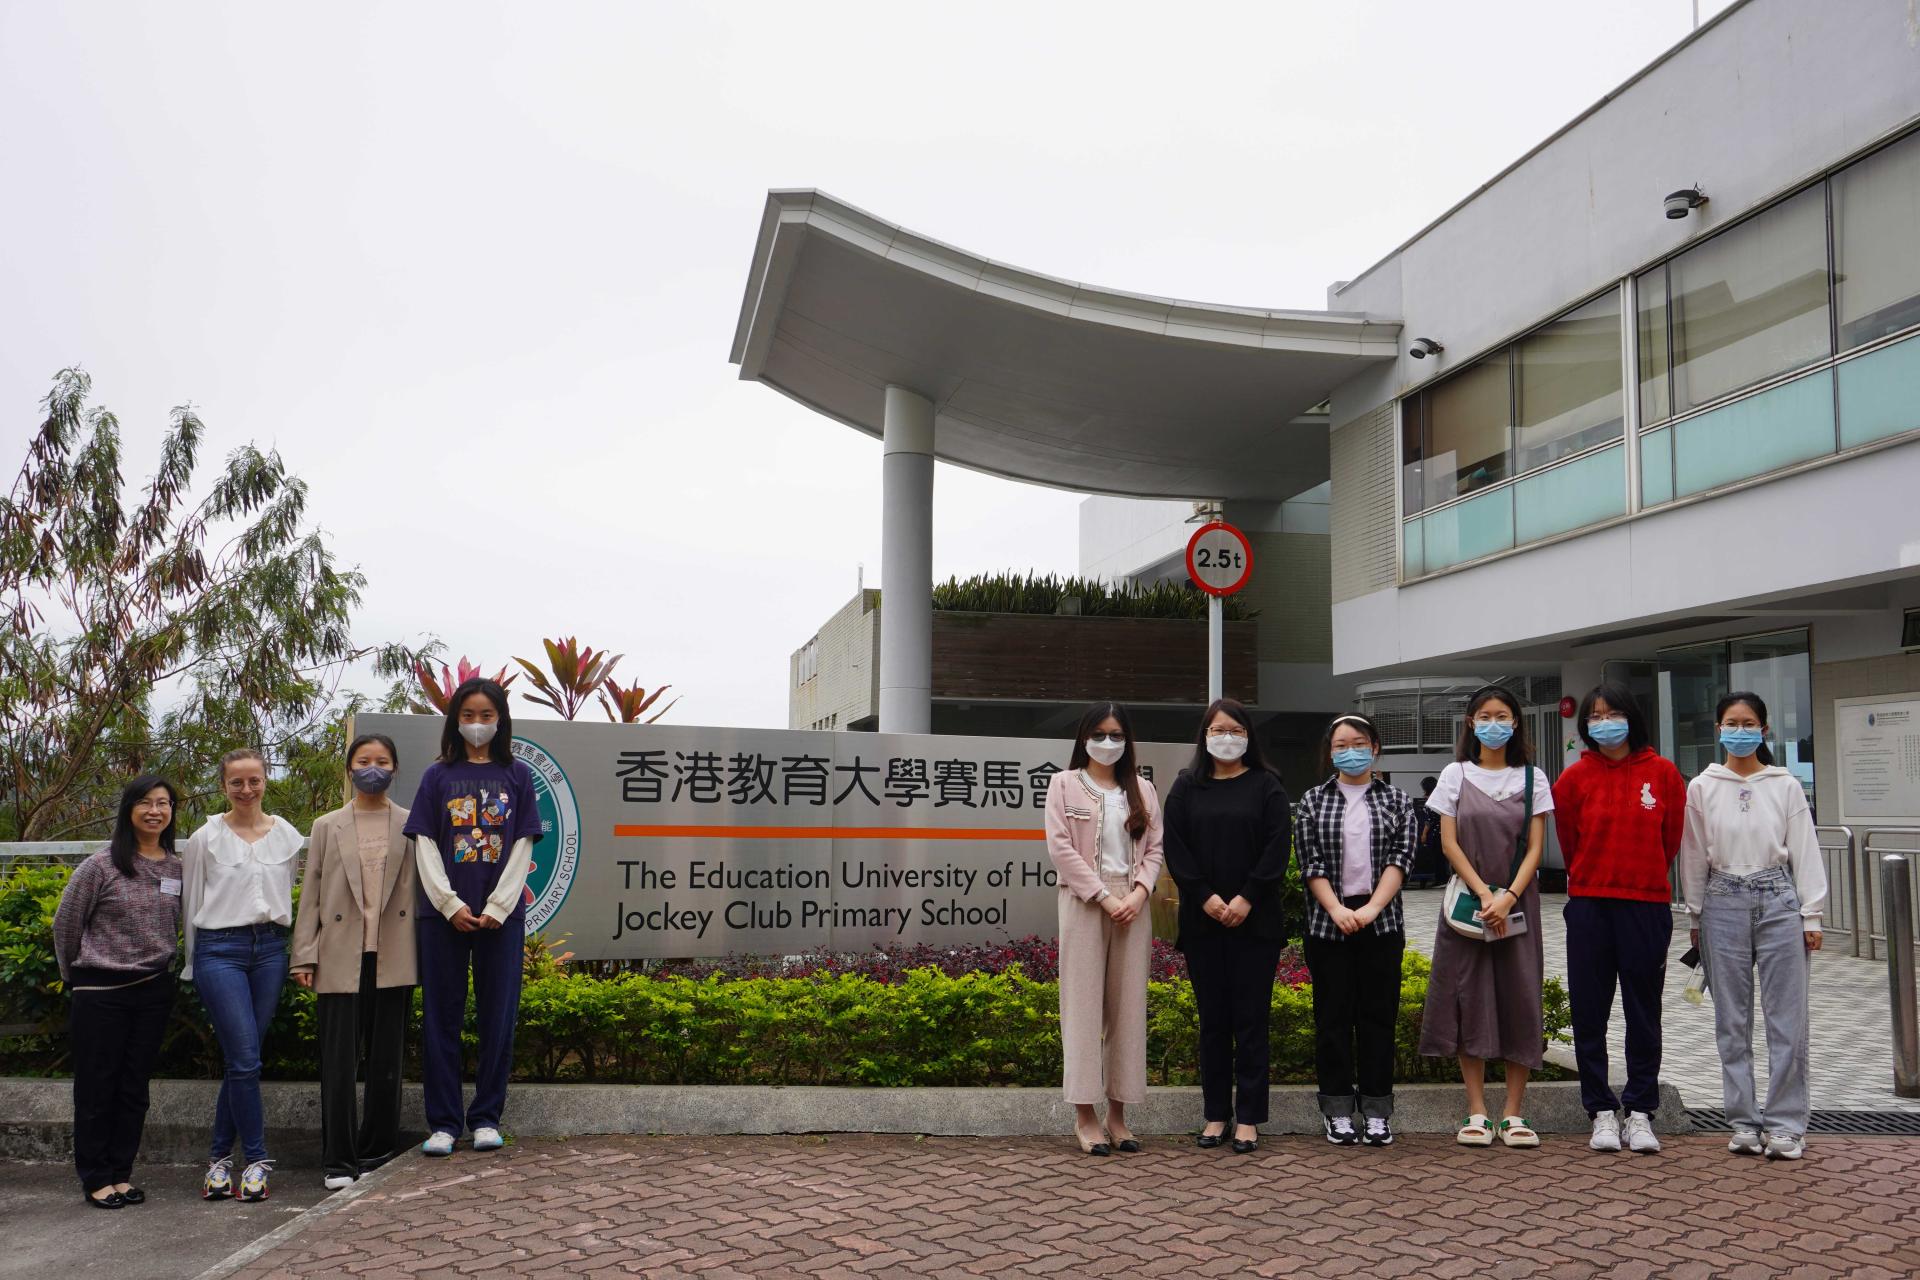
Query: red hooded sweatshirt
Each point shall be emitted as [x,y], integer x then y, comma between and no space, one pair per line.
[1619,823]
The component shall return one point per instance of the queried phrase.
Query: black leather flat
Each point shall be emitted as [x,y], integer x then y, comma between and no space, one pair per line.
[1241,1146]
[134,1195]
[1209,1141]
[1130,1145]
[113,1201]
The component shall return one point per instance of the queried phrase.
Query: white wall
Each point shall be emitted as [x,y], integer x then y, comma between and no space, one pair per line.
[1122,536]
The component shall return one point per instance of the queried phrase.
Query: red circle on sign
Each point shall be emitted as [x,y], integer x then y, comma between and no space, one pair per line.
[1246,558]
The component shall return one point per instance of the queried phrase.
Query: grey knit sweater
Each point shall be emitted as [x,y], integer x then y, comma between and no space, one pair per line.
[112,929]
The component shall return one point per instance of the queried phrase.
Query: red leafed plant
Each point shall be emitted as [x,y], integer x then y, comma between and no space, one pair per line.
[575,674]
[629,705]
[438,690]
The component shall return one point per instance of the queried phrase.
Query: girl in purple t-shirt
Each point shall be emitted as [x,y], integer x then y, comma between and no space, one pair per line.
[474,822]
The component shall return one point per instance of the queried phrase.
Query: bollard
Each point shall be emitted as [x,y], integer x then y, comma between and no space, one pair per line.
[1896,895]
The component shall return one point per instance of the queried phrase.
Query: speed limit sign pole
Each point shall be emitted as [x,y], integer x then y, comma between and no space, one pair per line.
[1219,562]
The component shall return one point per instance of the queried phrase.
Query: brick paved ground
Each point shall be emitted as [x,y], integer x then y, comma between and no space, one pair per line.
[885,1206]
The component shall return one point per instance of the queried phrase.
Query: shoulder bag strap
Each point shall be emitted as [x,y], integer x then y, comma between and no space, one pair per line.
[1526,824]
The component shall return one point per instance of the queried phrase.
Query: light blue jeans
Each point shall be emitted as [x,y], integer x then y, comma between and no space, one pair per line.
[1748,922]
[239,973]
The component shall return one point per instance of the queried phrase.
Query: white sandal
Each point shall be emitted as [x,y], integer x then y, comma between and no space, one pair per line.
[1516,1132]
[1476,1132]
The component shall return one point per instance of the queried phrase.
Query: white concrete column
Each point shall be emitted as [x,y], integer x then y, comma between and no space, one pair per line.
[906,564]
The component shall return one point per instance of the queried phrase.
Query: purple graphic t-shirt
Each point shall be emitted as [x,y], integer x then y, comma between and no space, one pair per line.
[474,813]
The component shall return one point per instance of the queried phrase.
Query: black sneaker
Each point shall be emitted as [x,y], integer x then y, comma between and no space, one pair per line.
[1379,1132]
[1340,1131]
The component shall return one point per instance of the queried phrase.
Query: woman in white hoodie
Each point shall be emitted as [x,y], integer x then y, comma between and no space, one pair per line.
[1751,871]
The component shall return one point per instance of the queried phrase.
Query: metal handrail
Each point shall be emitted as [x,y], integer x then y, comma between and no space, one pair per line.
[1868,857]
[1847,846]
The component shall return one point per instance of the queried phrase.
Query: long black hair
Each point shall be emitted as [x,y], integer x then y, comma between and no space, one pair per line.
[1758,706]
[1125,771]
[1201,770]
[124,847]
[1621,699]
[1469,749]
[453,747]
[1359,722]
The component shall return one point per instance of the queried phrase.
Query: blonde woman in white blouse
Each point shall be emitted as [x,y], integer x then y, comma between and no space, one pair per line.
[239,871]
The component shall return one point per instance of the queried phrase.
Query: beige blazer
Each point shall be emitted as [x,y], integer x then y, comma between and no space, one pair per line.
[329,934]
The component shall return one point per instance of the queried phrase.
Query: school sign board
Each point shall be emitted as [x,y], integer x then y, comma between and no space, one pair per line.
[676,841]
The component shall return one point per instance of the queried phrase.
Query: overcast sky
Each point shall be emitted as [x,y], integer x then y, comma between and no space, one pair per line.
[470,260]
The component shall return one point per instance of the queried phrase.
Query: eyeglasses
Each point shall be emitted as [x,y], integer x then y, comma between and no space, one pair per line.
[153,804]
[1108,739]
[1226,733]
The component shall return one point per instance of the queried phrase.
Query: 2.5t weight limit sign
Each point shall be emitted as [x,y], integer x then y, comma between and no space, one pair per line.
[1219,558]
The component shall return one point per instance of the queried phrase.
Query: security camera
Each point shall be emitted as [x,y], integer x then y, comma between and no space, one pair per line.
[1424,347]
[1684,201]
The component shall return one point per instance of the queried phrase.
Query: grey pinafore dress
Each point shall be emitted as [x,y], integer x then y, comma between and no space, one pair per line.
[1483,998]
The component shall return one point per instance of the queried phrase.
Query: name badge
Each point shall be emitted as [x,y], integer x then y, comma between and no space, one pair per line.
[170,886]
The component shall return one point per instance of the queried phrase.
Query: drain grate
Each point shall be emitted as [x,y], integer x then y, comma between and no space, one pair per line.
[1890,1124]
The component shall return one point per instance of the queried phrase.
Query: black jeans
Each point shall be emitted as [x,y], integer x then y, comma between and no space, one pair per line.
[1615,941]
[361,1033]
[1233,989]
[115,1036]
[1356,1003]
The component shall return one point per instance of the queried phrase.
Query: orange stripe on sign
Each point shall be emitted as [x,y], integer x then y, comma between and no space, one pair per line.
[832,833]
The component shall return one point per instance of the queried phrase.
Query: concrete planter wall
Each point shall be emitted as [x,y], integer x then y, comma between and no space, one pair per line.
[36,1115]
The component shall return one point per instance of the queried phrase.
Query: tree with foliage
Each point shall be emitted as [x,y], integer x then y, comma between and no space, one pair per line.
[428,694]
[576,673]
[156,630]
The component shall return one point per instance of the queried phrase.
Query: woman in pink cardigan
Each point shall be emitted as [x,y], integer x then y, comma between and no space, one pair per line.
[1103,834]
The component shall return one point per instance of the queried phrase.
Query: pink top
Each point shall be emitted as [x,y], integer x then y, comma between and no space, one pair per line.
[1356,841]
[1073,823]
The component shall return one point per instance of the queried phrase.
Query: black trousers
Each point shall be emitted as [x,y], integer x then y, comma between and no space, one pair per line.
[1617,942]
[1233,989]
[1356,1008]
[116,1038]
[362,1034]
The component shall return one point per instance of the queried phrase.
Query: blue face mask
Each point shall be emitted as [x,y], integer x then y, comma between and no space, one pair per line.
[1493,733]
[1353,760]
[1608,733]
[1741,742]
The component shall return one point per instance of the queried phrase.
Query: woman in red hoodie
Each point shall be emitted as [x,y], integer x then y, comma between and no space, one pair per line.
[1619,810]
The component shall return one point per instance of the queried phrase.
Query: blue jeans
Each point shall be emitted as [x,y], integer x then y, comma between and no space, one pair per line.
[239,973]
[1751,922]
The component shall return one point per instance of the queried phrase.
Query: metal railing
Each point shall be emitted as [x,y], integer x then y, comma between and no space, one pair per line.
[1840,851]
[1875,844]
[53,853]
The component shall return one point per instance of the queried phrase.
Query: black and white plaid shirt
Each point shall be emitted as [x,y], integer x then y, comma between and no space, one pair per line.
[1318,825]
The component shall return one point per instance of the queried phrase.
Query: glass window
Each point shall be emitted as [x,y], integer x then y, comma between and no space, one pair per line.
[1694,679]
[1656,400]
[1876,223]
[1468,430]
[1567,383]
[1413,494]
[1751,303]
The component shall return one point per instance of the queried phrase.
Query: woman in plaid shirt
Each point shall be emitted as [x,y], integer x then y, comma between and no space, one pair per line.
[1355,837]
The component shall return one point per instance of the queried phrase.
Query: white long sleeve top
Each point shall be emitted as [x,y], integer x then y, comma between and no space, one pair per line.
[1742,825]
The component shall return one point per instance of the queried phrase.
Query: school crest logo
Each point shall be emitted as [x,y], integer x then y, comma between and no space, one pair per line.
[557,857]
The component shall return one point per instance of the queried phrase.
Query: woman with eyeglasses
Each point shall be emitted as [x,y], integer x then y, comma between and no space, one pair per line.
[1229,834]
[1619,810]
[1755,885]
[1483,996]
[115,933]
[239,910]
[1103,835]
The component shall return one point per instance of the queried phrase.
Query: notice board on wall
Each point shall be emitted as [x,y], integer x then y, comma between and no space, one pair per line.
[1878,741]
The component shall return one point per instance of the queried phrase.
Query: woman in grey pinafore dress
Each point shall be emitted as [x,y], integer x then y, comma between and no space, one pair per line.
[1483,997]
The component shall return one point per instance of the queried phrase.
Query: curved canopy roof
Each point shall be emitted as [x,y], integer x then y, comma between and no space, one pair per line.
[1041,379]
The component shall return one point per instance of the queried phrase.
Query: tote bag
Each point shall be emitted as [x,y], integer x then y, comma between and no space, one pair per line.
[1460,902]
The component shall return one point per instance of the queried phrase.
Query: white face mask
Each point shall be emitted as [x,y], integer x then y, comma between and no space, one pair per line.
[1226,746]
[1107,750]
[479,733]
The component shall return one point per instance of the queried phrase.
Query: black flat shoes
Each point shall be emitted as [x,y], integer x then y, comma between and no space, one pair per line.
[134,1195]
[1241,1146]
[1129,1145]
[1208,1141]
[113,1200]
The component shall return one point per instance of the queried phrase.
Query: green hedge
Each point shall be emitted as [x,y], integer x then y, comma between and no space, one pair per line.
[930,1029]
[1045,593]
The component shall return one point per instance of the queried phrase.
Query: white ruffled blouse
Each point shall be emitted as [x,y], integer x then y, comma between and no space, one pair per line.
[231,883]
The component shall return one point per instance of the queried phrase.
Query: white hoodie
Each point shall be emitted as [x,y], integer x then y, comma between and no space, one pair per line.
[1743,825]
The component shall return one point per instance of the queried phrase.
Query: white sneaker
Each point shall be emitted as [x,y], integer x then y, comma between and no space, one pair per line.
[1782,1146]
[338,1181]
[1340,1130]
[440,1144]
[1379,1132]
[487,1138]
[1640,1136]
[1606,1132]
[1745,1142]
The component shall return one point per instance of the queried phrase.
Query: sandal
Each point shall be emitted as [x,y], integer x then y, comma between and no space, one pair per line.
[1516,1132]
[1475,1132]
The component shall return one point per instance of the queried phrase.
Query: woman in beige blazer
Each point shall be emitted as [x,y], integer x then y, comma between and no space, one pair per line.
[353,944]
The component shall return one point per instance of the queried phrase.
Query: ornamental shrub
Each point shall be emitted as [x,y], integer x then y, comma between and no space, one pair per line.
[971,1015]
